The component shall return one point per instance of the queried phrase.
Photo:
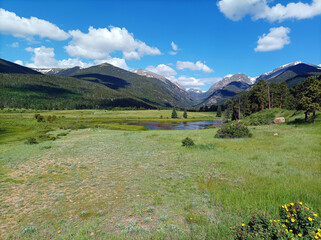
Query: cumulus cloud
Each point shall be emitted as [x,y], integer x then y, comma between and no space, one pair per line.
[162,70]
[17,26]
[18,62]
[117,62]
[198,66]
[45,58]
[259,9]
[15,45]
[274,40]
[174,46]
[187,81]
[100,43]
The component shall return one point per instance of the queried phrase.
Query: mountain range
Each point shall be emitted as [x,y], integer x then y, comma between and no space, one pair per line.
[106,85]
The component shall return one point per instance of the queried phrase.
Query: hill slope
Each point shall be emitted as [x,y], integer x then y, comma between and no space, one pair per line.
[53,92]
[150,90]
[220,95]
[10,67]
[292,73]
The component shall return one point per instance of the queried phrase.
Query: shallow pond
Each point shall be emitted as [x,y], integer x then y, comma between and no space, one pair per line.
[176,125]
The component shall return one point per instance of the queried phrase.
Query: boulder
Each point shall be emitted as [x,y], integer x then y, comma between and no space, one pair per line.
[279,120]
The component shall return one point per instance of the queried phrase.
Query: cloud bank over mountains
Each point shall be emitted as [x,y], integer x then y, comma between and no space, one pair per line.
[259,9]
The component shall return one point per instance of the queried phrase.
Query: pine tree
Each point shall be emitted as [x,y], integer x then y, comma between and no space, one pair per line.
[174,113]
[261,92]
[185,114]
[283,90]
[309,93]
[219,111]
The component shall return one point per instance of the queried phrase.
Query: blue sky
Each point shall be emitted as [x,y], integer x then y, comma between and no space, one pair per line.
[193,42]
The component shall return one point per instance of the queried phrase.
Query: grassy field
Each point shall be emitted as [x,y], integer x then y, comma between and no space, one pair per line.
[96,183]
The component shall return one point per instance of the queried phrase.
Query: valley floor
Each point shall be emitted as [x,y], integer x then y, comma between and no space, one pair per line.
[114,184]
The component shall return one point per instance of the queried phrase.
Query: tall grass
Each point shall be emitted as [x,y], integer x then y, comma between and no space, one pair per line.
[115,184]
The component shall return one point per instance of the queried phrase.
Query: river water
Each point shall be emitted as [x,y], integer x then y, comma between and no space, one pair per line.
[176,125]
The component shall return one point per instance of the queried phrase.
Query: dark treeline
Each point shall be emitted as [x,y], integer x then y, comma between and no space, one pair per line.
[212,108]
[263,95]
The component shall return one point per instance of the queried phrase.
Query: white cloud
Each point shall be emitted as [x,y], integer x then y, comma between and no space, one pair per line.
[162,70]
[99,43]
[45,58]
[198,66]
[72,62]
[259,9]
[117,62]
[18,62]
[274,40]
[15,45]
[42,57]
[174,46]
[17,26]
[192,81]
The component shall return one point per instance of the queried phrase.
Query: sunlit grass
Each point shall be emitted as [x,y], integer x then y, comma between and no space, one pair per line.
[116,184]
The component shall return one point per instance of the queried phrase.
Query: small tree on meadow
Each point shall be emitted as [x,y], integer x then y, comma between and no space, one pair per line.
[185,114]
[174,113]
[219,111]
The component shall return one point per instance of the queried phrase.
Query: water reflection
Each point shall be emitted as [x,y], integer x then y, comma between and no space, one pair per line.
[176,125]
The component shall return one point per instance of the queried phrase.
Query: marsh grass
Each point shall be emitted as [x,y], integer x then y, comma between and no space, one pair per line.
[147,178]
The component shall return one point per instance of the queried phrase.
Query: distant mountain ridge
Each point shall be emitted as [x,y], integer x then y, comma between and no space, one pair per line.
[145,88]
[239,77]
[10,67]
[292,73]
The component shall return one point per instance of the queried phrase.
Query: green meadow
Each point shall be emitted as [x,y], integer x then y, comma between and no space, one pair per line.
[93,177]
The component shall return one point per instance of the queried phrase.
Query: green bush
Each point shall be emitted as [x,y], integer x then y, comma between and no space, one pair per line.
[297,221]
[233,130]
[31,140]
[260,227]
[187,142]
[300,220]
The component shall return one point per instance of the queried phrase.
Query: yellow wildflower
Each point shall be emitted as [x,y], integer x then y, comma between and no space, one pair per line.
[314,214]
[243,224]
[310,219]
[300,235]
[58,232]
[292,204]
[292,220]
[301,203]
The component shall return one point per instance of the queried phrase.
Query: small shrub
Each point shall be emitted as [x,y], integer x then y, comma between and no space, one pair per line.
[84,214]
[260,227]
[62,134]
[39,118]
[297,221]
[233,130]
[31,140]
[300,219]
[29,229]
[187,142]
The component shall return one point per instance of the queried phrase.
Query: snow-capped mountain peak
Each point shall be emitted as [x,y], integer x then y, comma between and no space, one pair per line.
[150,74]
